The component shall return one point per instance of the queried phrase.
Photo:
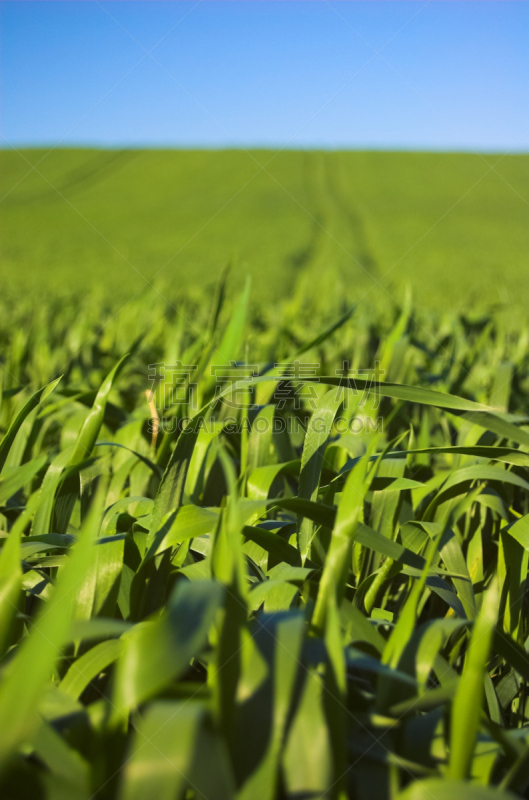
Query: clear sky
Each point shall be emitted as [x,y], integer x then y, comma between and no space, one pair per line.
[414,75]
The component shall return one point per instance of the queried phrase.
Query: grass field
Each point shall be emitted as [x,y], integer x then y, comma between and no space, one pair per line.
[448,225]
[278,590]
[259,540]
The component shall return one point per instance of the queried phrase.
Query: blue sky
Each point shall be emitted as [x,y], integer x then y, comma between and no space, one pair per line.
[448,75]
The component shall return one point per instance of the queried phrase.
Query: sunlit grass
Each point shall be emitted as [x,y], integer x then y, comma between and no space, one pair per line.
[296,596]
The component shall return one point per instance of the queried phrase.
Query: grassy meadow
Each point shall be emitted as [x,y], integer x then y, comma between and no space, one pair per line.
[452,226]
[264,531]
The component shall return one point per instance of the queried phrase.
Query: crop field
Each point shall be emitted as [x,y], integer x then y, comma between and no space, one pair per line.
[258,549]
[451,226]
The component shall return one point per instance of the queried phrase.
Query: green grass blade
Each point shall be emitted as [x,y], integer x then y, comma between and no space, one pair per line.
[466,708]
[32,403]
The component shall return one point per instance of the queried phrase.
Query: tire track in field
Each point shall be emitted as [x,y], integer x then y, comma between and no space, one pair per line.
[338,240]
[299,262]
[86,175]
[351,218]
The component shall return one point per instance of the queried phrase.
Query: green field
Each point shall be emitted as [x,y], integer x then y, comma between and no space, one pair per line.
[446,224]
[259,540]
[277,593]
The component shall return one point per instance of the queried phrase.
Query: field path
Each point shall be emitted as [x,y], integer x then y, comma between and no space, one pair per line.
[349,213]
[95,170]
[338,249]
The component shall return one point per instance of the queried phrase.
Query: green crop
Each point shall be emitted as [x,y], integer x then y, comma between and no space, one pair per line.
[223,579]
[450,224]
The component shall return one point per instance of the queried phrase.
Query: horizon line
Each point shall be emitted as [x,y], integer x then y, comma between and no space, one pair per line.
[8,146]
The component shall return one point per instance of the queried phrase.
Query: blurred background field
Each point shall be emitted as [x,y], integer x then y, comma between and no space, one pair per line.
[363,225]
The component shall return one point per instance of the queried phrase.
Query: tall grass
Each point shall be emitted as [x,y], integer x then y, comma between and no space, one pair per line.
[317,591]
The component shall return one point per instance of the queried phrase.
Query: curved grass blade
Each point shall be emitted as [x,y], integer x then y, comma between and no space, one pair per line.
[156,651]
[30,669]
[92,425]
[33,402]
[317,436]
[162,752]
